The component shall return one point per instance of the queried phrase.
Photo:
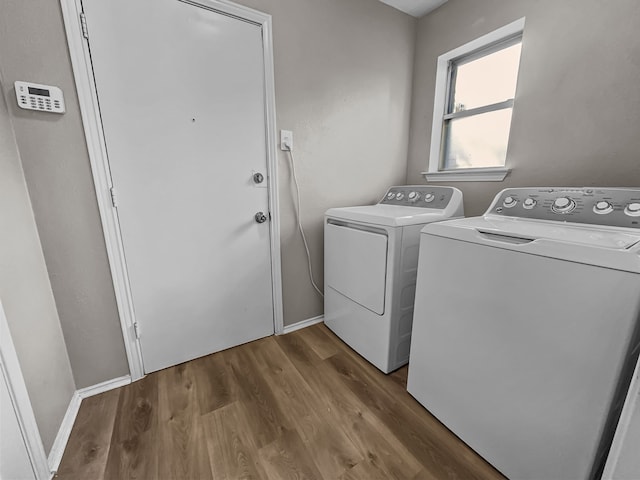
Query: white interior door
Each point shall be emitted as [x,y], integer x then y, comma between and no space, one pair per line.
[182,100]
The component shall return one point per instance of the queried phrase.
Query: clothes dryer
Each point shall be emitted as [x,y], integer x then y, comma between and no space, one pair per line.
[371,259]
[526,327]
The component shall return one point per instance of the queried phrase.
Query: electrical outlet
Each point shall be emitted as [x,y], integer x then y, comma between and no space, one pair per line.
[286,140]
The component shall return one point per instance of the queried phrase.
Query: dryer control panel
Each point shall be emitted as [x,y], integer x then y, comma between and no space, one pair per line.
[615,207]
[418,196]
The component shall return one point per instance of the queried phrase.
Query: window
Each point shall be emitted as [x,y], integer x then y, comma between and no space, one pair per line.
[475,88]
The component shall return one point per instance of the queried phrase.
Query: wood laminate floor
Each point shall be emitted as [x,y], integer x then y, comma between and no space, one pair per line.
[297,406]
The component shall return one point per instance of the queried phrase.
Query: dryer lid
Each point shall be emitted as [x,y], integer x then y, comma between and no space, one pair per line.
[388,215]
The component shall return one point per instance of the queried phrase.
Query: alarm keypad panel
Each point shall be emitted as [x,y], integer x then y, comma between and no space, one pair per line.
[418,196]
[615,207]
[44,98]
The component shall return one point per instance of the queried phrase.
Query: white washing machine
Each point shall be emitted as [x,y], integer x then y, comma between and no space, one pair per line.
[525,329]
[371,258]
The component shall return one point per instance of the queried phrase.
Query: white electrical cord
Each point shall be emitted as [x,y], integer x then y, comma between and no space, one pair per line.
[298,215]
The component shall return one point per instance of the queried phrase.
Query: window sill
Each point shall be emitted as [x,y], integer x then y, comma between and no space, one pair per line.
[468,175]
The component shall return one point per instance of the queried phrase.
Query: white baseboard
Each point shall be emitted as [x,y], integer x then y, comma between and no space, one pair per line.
[302,324]
[60,442]
[104,386]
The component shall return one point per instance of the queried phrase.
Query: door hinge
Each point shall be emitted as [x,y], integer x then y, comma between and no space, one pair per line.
[114,197]
[136,330]
[83,25]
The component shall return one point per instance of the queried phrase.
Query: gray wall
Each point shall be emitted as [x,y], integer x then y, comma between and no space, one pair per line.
[577,107]
[26,294]
[343,85]
[33,48]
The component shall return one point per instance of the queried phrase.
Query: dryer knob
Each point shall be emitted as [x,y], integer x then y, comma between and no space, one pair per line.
[633,209]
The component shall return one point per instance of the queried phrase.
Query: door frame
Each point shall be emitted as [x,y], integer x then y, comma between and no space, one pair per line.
[10,370]
[88,100]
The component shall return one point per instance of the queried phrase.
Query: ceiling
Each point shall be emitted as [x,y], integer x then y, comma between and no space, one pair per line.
[416,8]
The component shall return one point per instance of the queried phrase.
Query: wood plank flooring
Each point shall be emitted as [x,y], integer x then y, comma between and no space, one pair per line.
[297,406]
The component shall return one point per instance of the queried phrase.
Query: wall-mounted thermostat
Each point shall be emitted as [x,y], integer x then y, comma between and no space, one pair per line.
[33,96]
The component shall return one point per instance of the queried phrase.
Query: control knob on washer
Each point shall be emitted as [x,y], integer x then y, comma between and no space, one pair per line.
[429,197]
[391,195]
[563,205]
[603,207]
[413,197]
[633,209]
[399,196]
[529,203]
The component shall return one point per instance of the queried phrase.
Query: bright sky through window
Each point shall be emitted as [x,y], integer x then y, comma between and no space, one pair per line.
[489,79]
[476,139]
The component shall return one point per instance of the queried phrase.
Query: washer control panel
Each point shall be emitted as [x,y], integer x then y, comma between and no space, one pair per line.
[615,207]
[418,196]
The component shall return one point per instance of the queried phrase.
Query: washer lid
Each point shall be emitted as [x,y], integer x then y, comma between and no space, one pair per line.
[609,247]
[389,215]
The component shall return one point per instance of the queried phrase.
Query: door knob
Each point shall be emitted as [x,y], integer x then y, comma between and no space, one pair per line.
[258,177]
[260,217]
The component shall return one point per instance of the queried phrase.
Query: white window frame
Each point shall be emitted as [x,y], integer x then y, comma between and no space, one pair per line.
[435,172]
